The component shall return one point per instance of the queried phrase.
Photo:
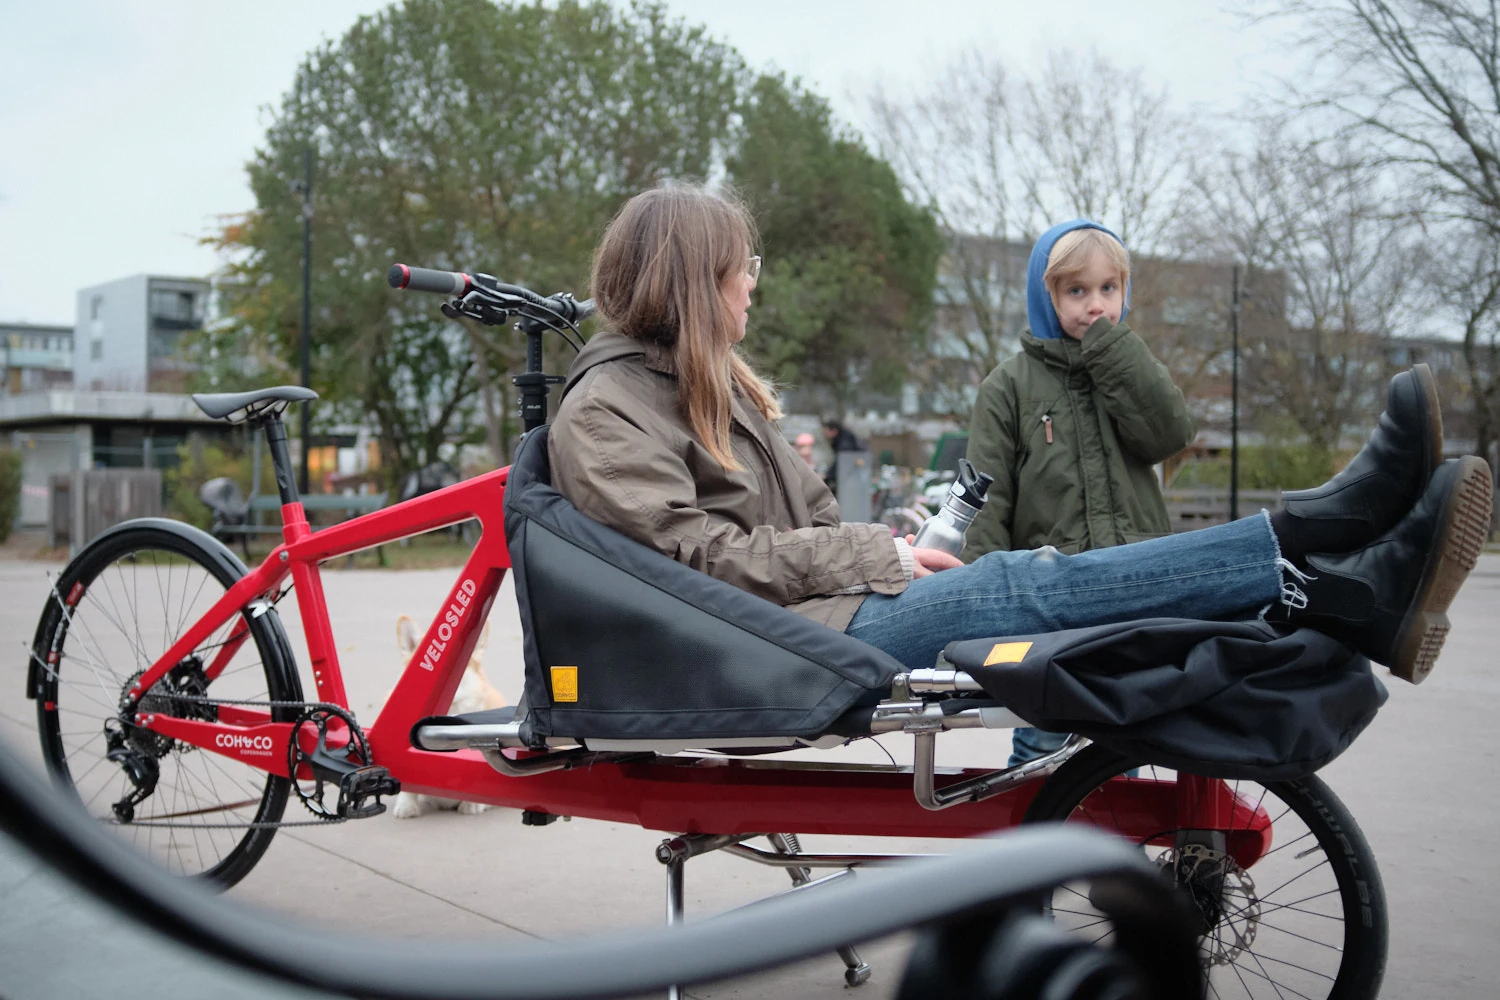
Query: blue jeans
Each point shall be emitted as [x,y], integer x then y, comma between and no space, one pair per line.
[1027,743]
[1220,573]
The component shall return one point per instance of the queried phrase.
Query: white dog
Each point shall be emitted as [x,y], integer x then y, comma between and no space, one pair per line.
[474,694]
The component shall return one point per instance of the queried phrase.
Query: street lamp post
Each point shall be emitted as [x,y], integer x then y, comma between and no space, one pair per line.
[306,347]
[1234,397]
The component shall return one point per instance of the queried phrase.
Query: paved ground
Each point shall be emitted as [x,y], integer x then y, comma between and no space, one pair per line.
[1421,783]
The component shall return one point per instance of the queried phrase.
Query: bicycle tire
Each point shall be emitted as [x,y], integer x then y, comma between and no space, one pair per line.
[130,577]
[1308,808]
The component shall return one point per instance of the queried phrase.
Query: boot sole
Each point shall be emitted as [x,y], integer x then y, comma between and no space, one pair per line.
[1434,413]
[1464,528]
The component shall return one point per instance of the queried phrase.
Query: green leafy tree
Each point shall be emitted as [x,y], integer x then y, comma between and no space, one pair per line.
[850,264]
[464,135]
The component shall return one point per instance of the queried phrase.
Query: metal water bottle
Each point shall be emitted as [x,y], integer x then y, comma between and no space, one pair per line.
[945,529]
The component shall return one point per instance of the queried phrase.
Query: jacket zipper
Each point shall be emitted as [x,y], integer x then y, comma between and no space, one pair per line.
[1047,425]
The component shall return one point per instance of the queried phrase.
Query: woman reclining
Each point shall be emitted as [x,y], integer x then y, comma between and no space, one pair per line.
[664,433]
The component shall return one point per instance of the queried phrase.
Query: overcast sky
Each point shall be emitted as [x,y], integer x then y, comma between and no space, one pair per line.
[126,126]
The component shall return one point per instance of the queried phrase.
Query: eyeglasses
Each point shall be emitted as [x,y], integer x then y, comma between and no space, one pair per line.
[752,267]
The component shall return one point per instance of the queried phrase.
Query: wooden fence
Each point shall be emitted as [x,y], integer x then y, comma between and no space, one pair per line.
[84,504]
[1199,507]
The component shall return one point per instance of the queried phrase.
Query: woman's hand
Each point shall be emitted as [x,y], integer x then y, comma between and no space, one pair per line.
[930,561]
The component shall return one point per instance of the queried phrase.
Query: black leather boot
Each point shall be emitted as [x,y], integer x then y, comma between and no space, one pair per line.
[1378,487]
[1390,599]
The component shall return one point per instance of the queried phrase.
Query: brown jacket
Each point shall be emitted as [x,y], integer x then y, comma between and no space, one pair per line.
[622,452]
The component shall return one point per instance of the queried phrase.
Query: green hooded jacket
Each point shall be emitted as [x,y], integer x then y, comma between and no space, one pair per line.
[1070,430]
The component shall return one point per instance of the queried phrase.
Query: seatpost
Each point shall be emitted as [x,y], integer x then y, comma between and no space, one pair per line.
[281,459]
[294,526]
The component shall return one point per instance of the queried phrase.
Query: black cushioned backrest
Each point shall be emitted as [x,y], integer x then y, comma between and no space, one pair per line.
[649,648]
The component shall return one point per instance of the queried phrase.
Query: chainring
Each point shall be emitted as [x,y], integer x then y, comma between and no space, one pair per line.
[357,751]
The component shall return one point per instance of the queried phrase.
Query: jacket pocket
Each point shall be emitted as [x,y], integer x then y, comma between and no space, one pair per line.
[1044,425]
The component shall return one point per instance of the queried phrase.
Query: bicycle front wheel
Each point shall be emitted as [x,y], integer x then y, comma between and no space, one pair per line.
[117,608]
[1306,919]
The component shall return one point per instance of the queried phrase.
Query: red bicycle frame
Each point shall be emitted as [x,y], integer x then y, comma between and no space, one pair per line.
[678,795]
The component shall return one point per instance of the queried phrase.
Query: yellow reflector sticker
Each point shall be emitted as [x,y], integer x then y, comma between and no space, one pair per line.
[1004,652]
[564,683]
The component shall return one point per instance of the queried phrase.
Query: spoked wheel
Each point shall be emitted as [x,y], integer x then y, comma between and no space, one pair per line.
[117,607]
[1290,902]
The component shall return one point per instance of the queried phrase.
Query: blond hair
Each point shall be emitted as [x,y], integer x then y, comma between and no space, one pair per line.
[1074,250]
[659,277]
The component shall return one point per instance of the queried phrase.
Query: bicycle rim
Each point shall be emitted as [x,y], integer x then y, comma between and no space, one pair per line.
[207,814]
[1306,919]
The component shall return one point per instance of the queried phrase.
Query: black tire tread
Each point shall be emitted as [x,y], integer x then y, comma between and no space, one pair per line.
[1366,939]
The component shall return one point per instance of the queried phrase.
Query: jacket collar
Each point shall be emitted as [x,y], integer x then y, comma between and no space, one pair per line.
[1063,353]
[659,358]
[606,345]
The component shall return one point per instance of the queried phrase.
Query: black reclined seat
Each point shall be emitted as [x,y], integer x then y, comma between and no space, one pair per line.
[624,643]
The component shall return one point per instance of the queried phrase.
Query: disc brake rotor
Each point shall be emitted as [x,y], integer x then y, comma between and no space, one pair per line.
[1224,895]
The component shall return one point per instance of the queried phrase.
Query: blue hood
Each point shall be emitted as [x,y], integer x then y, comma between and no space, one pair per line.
[1040,313]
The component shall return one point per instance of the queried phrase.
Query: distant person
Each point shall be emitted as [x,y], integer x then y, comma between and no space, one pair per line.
[804,446]
[839,438]
[1071,427]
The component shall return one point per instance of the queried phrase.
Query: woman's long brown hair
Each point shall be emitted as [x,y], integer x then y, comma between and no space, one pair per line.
[659,276]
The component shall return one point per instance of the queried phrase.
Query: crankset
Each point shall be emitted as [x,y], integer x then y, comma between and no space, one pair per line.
[361,784]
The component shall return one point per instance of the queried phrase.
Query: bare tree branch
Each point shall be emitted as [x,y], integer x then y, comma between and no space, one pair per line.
[1315,223]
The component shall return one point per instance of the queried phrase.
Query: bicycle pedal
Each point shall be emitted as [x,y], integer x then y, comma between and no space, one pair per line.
[359,786]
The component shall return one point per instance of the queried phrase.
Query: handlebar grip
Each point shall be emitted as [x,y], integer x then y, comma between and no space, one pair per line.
[571,309]
[425,279]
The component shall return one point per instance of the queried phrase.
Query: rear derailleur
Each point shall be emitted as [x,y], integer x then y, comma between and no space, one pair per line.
[347,765]
[140,767]
[135,749]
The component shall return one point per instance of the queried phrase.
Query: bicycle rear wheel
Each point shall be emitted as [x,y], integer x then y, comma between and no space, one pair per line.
[122,603]
[1306,919]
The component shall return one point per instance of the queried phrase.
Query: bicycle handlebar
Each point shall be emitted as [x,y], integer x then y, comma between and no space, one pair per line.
[425,279]
[459,285]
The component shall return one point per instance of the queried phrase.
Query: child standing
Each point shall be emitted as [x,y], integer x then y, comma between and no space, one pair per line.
[1071,427]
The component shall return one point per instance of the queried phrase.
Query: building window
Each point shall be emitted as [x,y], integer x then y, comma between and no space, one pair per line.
[96,303]
[96,349]
[174,309]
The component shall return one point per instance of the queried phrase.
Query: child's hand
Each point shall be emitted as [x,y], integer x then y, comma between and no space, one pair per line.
[930,561]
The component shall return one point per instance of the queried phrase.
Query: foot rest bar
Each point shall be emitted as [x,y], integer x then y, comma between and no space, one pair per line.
[929,796]
[820,860]
[925,679]
[435,736]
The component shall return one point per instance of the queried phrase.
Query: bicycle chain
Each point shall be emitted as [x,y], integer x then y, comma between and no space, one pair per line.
[324,819]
